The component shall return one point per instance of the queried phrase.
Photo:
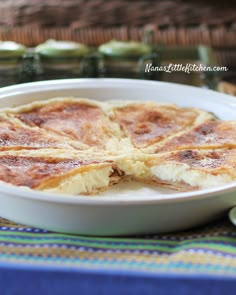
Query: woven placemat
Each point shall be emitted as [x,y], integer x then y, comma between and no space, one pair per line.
[210,249]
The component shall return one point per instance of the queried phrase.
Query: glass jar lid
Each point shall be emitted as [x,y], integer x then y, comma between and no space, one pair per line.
[10,49]
[54,48]
[116,48]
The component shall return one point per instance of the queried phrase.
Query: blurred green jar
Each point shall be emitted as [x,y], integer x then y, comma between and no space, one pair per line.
[126,59]
[63,59]
[11,58]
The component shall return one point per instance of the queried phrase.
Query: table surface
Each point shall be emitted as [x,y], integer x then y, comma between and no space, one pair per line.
[36,261]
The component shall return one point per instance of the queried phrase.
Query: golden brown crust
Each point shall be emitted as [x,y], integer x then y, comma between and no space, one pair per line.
[78,143]
[213,161]
[148,123]
[35,171]
[77,120]
[15,136]
[211,134]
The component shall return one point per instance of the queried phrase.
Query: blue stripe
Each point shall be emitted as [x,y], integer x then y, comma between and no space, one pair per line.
[148,267]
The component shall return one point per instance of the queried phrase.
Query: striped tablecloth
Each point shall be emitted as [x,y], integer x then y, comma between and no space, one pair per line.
[210,249]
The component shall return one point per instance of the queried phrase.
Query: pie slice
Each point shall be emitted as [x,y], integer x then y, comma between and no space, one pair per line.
[147,124]
[80,120]
[14,136]
[60,171]
[193,169]
[211,134]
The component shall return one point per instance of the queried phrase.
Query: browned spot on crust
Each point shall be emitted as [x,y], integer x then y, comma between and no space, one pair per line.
[81,122]
[146,124]
[15,137]
[206,129]
[207,135]
[206,159]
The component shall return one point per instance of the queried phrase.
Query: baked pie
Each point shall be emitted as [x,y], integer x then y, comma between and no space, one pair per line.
[83,146]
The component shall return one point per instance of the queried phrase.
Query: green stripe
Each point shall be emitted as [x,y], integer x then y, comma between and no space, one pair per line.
[224,248]
[128,240]
[93,241]
[114,240]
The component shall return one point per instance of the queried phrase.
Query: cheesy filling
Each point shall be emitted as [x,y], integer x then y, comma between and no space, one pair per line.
[84,183]
[175,173]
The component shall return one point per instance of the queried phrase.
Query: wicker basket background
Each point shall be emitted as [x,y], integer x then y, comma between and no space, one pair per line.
[93,13]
